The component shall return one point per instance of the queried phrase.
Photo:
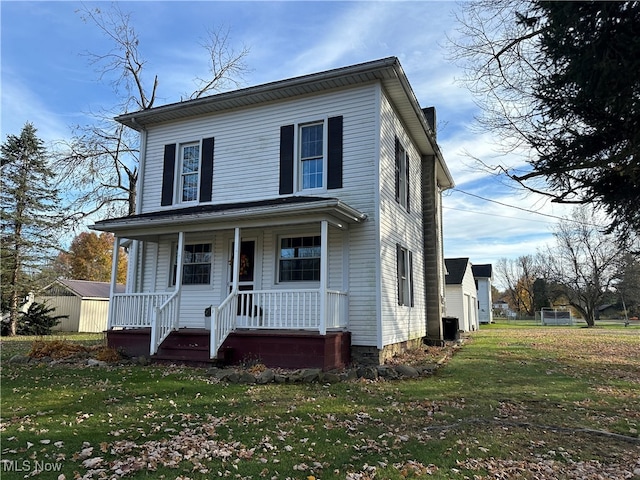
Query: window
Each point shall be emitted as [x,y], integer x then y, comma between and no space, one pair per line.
[405,276]
[196,265]
[311,156]
[402,175]
[189,171]
[299,259]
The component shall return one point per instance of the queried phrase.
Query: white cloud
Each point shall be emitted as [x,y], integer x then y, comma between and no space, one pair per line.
[21,105]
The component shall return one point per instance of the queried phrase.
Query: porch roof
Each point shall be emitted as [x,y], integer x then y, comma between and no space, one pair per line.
[282,210]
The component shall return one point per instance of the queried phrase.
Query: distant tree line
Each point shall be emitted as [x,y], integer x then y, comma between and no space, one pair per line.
[585,269]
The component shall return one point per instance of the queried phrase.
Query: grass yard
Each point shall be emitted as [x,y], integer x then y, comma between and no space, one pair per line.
[515,402]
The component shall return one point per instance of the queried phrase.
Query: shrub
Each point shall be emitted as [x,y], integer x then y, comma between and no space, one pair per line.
[38,320]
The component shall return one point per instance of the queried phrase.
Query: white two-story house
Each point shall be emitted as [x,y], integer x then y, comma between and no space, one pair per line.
[297,223]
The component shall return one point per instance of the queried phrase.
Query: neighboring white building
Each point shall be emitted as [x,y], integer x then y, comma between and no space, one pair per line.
[311,204]
[461,294]
[483,275]
[86,303]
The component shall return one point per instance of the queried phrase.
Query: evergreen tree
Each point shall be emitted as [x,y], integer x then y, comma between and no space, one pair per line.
[29,205]
[590,105]
[559,83]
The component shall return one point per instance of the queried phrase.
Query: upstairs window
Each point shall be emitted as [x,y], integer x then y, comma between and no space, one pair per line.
[196,264]
[299,259]
[189,171]
[311,156]
[402,175]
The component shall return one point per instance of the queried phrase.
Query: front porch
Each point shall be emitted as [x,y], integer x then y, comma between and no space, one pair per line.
[275,275]
[148,324]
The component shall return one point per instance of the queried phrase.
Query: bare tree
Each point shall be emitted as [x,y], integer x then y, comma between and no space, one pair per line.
[100,163]
[584,263]
[518,275]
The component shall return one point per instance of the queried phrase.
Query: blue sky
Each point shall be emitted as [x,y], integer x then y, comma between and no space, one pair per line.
[48,81]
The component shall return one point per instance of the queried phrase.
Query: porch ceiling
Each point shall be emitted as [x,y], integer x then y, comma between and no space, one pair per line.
[262,213]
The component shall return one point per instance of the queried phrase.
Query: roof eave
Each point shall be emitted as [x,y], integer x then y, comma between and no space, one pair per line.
[334,207]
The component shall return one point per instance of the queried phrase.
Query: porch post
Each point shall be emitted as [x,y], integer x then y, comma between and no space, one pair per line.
[179,261]
[236,260]
[179,270]
[324,270]
[114,279]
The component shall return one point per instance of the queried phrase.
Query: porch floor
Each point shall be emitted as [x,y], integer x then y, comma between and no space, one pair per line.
[273,348]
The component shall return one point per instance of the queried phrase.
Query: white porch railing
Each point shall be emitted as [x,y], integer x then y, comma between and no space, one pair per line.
[276,310]
[135,310]
[223,322]
[164,321]
[255,309]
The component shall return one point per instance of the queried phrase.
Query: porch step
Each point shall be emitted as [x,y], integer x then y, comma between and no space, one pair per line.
[185,345]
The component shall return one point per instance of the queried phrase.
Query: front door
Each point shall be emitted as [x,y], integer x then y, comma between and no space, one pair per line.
[246,279]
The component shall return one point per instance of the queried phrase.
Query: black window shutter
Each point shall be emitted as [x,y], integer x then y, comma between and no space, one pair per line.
[168,174]
[286,159]
[334,153]
[206,170]
[397,170]
[407,180]
[411,277]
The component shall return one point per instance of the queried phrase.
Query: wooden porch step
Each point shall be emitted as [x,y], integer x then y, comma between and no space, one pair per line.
[185,345]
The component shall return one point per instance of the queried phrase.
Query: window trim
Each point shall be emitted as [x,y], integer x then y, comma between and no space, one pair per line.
[180,175]
[279,258]
[173,267]
[298,158]
[404,264]
[402,177]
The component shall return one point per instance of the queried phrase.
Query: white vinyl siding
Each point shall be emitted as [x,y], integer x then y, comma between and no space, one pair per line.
[240,165]
[399,226]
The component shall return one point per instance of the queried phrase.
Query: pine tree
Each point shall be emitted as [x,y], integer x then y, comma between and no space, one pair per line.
[29,205]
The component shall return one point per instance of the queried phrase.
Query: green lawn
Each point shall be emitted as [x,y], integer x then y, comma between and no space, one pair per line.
[516,401]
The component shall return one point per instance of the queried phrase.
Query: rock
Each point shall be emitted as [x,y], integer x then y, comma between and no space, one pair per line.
[349,376]
[19,359]
[310,375]
[368,373]
[220,373]
[279,378]
[407,371]
[92,362]
[387,372]
[265,377]
[331,377]
[427,369]
[246,378]
[142,360]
